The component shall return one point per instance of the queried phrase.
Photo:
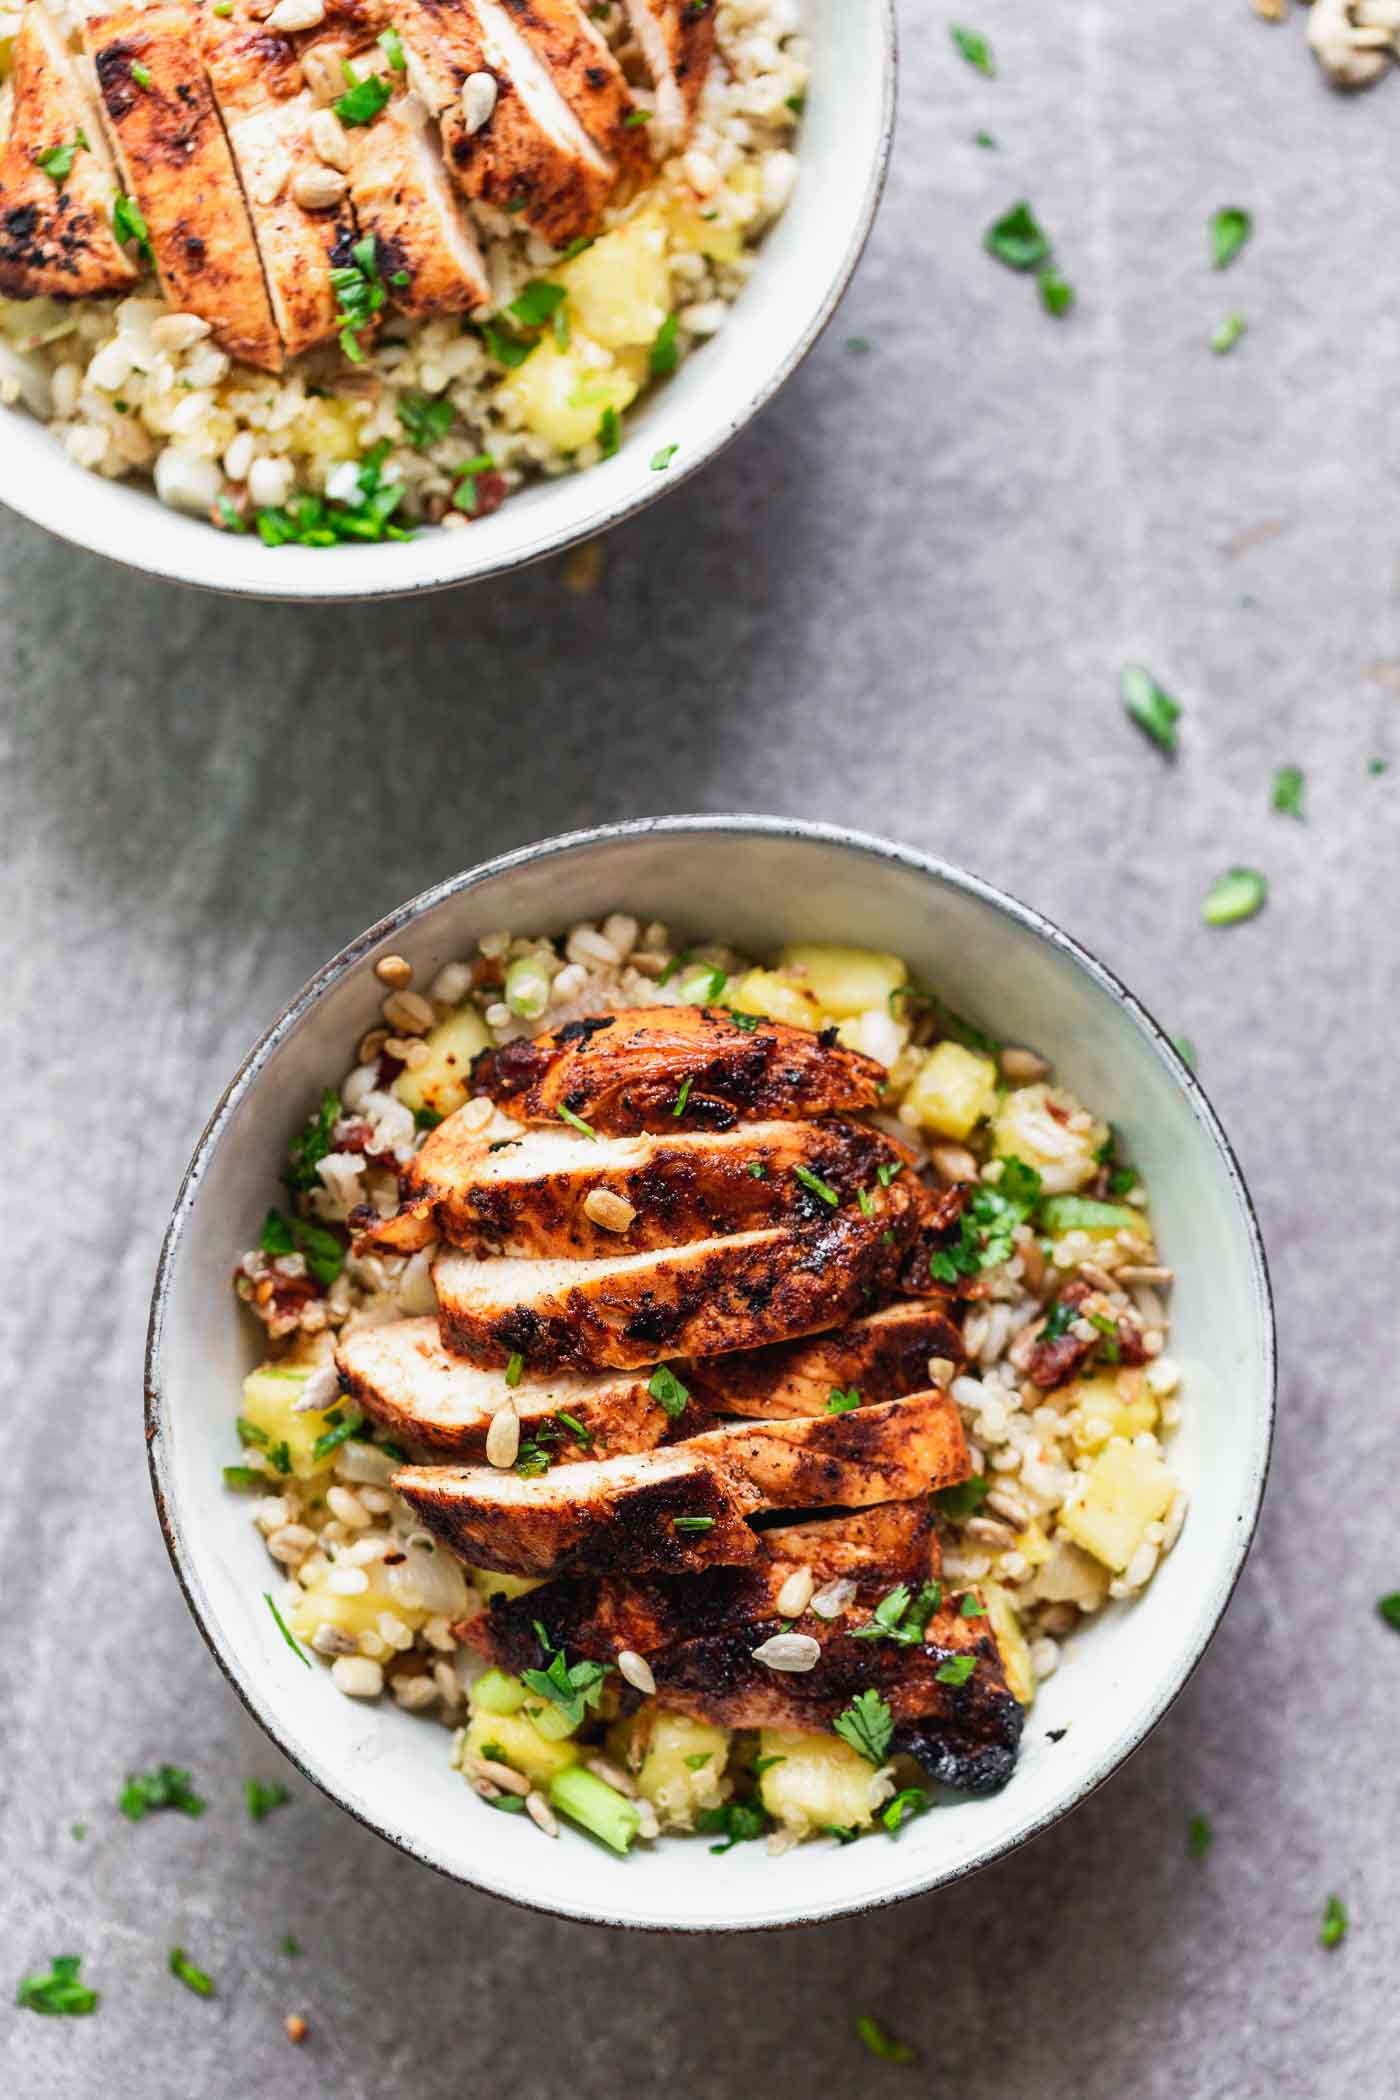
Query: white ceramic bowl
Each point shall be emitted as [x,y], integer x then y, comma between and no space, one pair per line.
[806,262]
[755,881]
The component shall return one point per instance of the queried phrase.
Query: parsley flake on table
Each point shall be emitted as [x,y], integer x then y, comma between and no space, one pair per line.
[167,1787]
[1288,791]
[1016,239]
[1146,703]
[194,1979]
[1237,895]
[1376,766]
[1056,292]
[1199,1837]
[1230,228]
[867,1725]
[59,1995]
[1389,1609]
[975,49]
[262,1796]
[668,1392]
[880,2042]
[1227,333]
[1334,1922]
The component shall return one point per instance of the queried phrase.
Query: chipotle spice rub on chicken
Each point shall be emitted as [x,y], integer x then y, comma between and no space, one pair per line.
[713,1389]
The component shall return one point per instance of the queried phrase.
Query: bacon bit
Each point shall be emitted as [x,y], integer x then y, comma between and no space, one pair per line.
[1054,1363]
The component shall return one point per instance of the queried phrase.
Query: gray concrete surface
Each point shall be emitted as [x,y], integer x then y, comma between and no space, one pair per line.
[901,601]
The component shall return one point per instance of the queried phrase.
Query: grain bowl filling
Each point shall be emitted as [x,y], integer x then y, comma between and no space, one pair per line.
[713,1389]
[331,270]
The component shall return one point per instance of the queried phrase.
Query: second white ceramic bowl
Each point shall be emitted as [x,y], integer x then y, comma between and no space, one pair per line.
[755,882]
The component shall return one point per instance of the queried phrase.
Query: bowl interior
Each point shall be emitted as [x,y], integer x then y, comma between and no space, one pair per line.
[755,884]
[804,264]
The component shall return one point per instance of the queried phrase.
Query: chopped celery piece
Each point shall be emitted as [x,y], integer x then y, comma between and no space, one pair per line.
[1082,1214]
[550,1722]
[495,1693]
[590,1801]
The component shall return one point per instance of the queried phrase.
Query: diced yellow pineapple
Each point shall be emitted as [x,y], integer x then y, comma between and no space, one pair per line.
[269,1394]
[1033,1545]
[776,998]
[562,395]
[1033,1125]
[704,232]
[1068,1576]
[1126,1489]
[490,1584]
[843,981]
[320,1606]
[821,1783]
[1015,1650]
[620,288]
[1121,1400]
[511,1739]
[445,1081]
[955,1088]
[684,1767]
[327,429]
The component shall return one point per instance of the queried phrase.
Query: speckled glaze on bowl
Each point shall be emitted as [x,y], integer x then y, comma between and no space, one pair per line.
[756,881]
[806,263]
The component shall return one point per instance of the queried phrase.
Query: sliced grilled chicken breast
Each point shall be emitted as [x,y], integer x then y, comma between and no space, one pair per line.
[882,1453]
[402,1376]
[526,153]
[883,1356]
[660,1509]
[56,238]
[581,64]
[668,1067]
[267,111]
[696,1300]
[176,163]
[426,250]
[677,42]
[555,1191]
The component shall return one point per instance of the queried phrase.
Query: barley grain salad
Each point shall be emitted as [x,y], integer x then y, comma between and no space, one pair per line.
[711,1388]
[329,270]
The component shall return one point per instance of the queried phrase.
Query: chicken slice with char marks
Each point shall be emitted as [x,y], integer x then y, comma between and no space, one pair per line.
[402,1376]
[881,1453]
[529,155]
[677,42]
[582,65]
[176,164]
[883,1356]
[426,251]
[658,1509]
[633,1070]
[526,1196]
[266,109]
[695,1300]
[56,238]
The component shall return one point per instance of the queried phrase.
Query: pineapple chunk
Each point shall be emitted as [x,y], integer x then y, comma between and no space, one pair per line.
[268,1397]
[562,395]
[357,1615]
[711,236]
[1068,1576]
[1015,1649]
[1125,1489]
[843,981]
[444,1082]
[955,1088]
[1033,1545]
[620,288]
[1122,1399]
[511,1739]
[676,1788]
[821,1783]
[1033,1126]
[777,998]
[489,1584]
[327,430]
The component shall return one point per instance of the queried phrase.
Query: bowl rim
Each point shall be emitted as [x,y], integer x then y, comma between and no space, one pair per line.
[45,503]
[680,827]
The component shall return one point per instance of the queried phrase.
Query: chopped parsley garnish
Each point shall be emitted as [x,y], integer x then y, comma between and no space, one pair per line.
[576,1429]
[987,1227]
[698,1762]
[57,161]
[1288,791]
[684,1095]
[341,1429]
[312,521]
[609,432]
[566,1115]
[766,1764]
[466,497]
[282,1627]
[1376,766]
[983,138]
[961,1500]
[971,1607]
[358,287]
[324,1253]
[244,1477]
[1199,1837]
[636,117]
[866,1202]
[508,348]
[262,1796]
[129,224]
[509,1804]
[1235,896]
[574,1689]
[901,1617]
[427,1118]
[956,1670]
[692,1523]
[59,1995]
[664,354]
[815,1184]
[279,1456]
[880,2042]
[307,1150]
[867,1725]
[391,44]
[533,1459]
[514,1369]
[363,99]
[537,303]
[796,103]
[249,1432]
[839,1403]
[662,459]
[1058,1322]
[668,1392]
[193,1979]
[140,74]
[1056,292]
[426,418]
[1227,333]
[706,987]
[909,1802]
[1229,230]
[975,49]
[887,1170]
[289,1944]
[1154,711]
[842,1832]
[1334,1922]
[1016,239]
[1389,1609]
[167,1787]
[79,1830]
[756,1170]
[737,1820]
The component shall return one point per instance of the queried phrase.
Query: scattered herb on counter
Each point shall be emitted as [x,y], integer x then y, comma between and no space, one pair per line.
[736,1820]
[1288,791]
[1334,1922]
[867,1725]
[1056,292]
[1235,896]
[1230,228]
[985,139]
[78,1830]
[816,1186]
[573,1689]
[566,1115]
[59,1995]
[1017,240]
[192,1978]
[426,418]
[282,1627]
[167,1787]
[57,161]
[1389,1609]
[363,99]
[975,49]
[880,2042]
[1146,703]
[956,1670]
[1227,333]
[289,1944]
[668,1392]
[1199,1837]
[839,1403]
[262,1796]
[858,345]
[1376,766]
